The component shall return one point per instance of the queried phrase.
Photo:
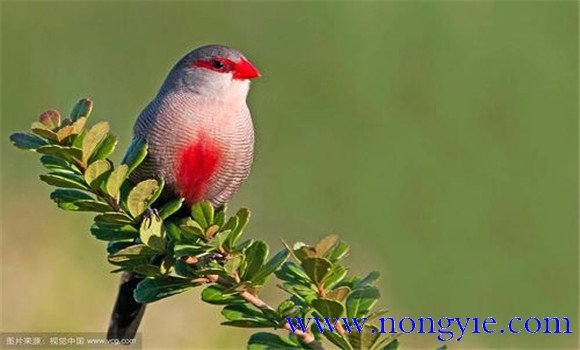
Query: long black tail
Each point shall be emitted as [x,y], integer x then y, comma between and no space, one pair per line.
[127,313]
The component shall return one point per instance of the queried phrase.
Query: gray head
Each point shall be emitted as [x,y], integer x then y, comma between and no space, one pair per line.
[213,71]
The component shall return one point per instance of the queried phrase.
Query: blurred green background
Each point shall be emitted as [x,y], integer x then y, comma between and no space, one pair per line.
[438,138]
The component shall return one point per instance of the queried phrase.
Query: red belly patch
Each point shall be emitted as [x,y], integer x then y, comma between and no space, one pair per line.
[197,164]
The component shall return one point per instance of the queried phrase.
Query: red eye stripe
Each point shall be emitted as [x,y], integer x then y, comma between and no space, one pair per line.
[217,64]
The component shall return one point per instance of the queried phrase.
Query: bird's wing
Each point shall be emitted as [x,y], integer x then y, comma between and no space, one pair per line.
[136,142]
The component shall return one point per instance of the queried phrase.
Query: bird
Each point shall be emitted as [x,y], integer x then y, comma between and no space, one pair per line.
[200,138]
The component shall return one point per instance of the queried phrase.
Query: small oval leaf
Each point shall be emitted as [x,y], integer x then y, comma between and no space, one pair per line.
[50,119]
[115,180]
[328,307]
[140,195]
[316,268]
[81,109]
[93,138]
[27,141]
[96,172]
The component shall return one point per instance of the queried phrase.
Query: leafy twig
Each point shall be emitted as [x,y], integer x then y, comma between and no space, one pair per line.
[305,337]
[175,252]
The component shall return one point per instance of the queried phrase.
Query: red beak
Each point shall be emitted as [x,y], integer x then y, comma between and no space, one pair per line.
[245,70]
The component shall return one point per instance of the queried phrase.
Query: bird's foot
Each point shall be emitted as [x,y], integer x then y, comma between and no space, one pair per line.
[150,212]
[217,256]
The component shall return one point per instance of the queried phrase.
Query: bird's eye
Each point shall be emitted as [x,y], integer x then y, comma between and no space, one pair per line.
[217,64]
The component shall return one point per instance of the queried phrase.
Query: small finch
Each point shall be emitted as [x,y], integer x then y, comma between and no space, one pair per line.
[201,142]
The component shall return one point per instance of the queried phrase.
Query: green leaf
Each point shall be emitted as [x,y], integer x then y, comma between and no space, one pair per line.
[161,185]
[211,232]
[173,231]
[181,250]
[233,263]
[105,148]
[85,205]
[64,132]
[365,339]
[72,129]
[285,306]
[220,216]
[114,247]
[96,172]
[337,340]
[243,216]
[185,270]
[316,268]
[218,239]
[214,295]
[360,301]
[114,232]
[115,180]
[202,213]
[269,341]
[57,164]
[167,265]
[68,153]
[368,280]
[237,288]
[328,307]
[140,196]
[241,248]
[147,270]
[324,245]
[137,254]
[289,309]
[231,224]
[150,290]
[336,275]
[136,153]
[60,180]
[242,311]
[152,233]
[213,268]
[376,314]
[113,218]
[271,266]
[339,293]
[304,293]
[27,141]
[305,252]
[192,230]
[338,252]
[171,207]
[293,273]
[42,131]
[93,138]
[67,196]
[208,212]
[255,256]
[50,119]
[78,129]
[81,109]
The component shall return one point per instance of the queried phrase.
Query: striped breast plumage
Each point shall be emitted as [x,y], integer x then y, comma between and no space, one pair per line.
[202,151]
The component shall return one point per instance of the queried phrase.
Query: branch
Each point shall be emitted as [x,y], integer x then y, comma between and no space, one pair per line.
[306,337]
